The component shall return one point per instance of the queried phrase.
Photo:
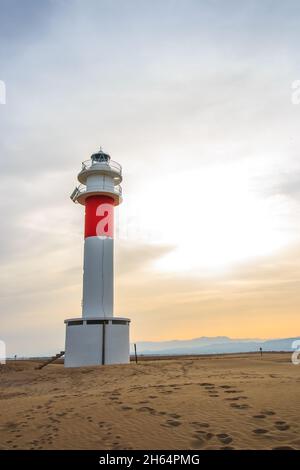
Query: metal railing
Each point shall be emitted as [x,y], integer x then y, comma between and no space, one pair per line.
[112,164]
[83,189]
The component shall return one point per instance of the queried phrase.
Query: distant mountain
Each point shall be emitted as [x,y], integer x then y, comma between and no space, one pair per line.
[214,345]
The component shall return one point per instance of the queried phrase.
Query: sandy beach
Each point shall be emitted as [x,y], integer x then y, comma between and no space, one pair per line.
[209,402]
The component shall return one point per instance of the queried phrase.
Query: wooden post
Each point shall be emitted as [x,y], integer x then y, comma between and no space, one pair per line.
[103,342]
[136,359]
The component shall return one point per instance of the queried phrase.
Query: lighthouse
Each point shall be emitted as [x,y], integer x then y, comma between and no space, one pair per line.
[98,337]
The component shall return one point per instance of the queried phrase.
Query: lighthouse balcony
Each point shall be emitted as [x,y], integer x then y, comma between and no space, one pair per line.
[82,192]
[111,163]
[92,167]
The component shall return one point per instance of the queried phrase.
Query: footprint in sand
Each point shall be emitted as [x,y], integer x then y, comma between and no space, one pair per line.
[10,426]
[171,423]
[200,425]
[197,443]
[260,431]
[147,408]
[201,437]
[283,448]
[268,412]
[209,387]
[260,416]
[126,408]
[240,406]
[224,438]
[281,425]
[204,434]
[103,424]
[116,446]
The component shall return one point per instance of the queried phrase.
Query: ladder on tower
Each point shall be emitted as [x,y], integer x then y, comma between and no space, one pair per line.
[49,361]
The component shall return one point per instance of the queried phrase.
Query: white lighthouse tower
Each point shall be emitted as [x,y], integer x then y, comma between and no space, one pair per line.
[98,337]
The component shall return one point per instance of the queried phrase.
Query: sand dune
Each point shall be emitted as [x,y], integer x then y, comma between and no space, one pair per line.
[216,402]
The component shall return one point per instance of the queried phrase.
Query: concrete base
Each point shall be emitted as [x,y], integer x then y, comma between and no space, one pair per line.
[96,341]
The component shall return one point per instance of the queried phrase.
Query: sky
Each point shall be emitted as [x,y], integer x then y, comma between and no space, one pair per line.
[195,100]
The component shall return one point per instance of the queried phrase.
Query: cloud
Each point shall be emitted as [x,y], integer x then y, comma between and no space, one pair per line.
[134,257]
[164,87]
[289,185]
[261,297]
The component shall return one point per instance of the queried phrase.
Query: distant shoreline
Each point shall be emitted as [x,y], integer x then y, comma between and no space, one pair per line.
[160,356]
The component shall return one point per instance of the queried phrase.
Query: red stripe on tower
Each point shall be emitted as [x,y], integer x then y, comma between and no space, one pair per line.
[99,216]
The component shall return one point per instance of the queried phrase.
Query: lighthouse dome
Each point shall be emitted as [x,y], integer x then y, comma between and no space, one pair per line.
[100,157]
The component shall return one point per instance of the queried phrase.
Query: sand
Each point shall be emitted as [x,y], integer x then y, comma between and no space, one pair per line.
[217,402]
